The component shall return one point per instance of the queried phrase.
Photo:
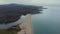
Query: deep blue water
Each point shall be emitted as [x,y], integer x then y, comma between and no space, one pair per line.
[48,22]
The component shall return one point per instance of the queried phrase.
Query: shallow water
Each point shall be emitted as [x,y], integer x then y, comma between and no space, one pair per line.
[48,22]
[6,26]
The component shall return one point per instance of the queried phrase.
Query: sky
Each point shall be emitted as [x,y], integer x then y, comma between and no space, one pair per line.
[32,2]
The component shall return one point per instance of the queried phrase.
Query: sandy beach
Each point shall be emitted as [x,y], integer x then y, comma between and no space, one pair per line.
[26,26]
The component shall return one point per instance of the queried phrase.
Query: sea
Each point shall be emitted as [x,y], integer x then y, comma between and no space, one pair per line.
[48,22]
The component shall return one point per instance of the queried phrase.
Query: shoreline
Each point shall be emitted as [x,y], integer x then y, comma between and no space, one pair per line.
[26,26]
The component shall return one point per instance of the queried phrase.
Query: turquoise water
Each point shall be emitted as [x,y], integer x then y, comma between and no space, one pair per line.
[48,22]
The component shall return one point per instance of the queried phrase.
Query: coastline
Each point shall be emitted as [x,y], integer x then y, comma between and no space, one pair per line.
[26,26]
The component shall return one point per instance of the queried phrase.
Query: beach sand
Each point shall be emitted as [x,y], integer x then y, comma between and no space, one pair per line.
[26,26]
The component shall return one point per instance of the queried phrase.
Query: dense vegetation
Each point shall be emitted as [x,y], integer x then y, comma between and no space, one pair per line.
[12,12]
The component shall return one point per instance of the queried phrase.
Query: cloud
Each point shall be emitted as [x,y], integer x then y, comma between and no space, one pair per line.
[33,2]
